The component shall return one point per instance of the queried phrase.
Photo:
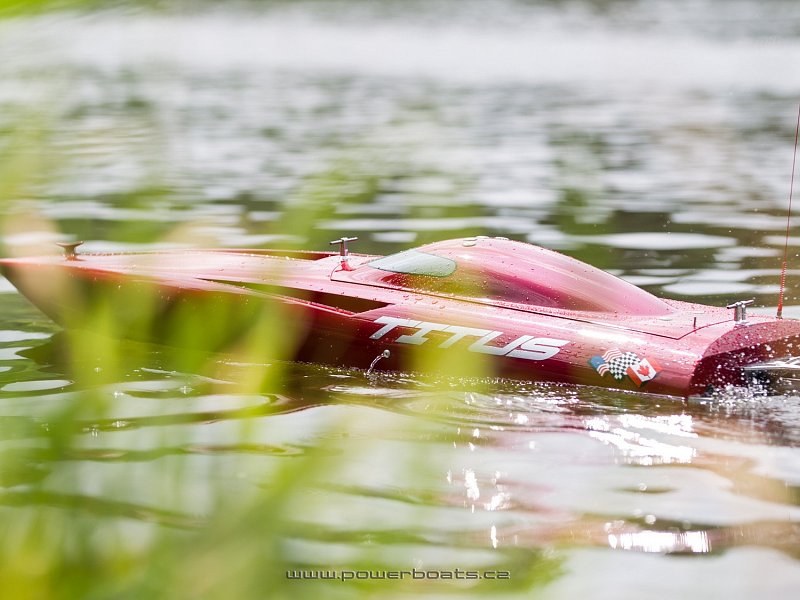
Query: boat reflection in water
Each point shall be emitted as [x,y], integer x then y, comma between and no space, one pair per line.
[661,541]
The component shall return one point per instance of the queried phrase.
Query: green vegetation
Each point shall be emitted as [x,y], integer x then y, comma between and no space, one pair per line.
[108,492]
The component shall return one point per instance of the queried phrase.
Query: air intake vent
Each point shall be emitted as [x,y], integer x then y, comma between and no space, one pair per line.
[338,301]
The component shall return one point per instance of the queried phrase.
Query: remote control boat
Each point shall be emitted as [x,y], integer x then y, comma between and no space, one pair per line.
[533,314]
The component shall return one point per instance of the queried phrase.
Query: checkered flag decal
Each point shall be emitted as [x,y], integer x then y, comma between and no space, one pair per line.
[619,366]
[625,364]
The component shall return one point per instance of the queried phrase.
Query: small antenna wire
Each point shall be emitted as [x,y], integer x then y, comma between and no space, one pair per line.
[788,221]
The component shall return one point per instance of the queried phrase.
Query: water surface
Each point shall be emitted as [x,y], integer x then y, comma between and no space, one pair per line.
[651,141]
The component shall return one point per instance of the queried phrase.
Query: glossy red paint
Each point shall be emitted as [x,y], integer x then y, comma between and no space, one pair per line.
[534,314]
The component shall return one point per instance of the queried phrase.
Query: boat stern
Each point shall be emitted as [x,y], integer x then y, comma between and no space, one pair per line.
[741,356]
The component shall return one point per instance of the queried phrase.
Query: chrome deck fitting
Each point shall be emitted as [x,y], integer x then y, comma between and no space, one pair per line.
[70,249]
[740,310]
[342,241]
[343,251]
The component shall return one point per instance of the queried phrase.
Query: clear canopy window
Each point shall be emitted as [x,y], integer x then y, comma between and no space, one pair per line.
[414,262]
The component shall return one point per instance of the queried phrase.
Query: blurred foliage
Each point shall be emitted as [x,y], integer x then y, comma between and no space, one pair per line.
[25,157]
[97,542]
[12,8]
[15,8]
[228,512]
[92,543]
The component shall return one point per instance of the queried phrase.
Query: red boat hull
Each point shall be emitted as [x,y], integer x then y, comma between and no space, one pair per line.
[320,308]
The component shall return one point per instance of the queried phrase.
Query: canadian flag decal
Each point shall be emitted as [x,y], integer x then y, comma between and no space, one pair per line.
[645,370]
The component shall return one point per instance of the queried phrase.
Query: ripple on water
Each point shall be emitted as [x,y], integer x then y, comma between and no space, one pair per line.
[35,386]
[6,287]
[738,573]
[10,335]
[724,217]
[12,353]
[660,240]
[707,288]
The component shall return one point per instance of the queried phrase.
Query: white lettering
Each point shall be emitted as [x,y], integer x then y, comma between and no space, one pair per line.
[525,346]
[391,323]
[419,337]
[459,333]
[538,348]
[480,345]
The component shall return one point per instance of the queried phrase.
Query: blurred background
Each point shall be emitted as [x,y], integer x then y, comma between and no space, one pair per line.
[651,139]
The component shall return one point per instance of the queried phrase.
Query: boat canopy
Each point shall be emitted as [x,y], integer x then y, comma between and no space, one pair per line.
[416,262]
[505,271]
